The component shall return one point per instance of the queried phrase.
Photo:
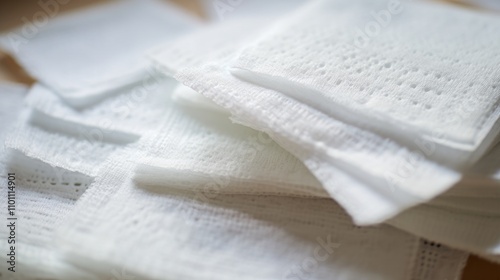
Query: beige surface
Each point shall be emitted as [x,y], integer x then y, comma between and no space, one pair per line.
[11,15]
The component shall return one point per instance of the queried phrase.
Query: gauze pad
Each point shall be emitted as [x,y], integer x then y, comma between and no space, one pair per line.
[154,177]
[466,239]
[65,145]
[42,197]
[220,41]
[365,202]
[228,236]
[405,82]
[177,164]
[81,56]
[210,43]
[203,151]
[133,111]
[81,140]
[202,146]
[385,175]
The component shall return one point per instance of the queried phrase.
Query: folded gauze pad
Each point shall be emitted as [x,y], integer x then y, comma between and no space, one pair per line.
[82,56]
[371,155]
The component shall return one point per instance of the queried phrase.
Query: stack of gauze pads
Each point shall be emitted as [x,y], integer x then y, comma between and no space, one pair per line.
[387,105]
[336,140]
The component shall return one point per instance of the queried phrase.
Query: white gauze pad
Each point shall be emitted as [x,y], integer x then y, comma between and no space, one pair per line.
[134,110]
[418,77]
[367,200]
[81,140]
[42,197]
[210,43]
[89,54]
[384,172]
[203,151]
[213,152]
[462,234]
[227,236]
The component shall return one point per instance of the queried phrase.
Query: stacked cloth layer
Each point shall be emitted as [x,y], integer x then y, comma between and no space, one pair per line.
[179,150]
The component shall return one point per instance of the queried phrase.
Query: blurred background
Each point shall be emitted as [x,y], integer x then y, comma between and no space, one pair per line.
[15,13]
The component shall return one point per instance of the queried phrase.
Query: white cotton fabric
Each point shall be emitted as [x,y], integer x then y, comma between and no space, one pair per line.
[219,42]
[212,141]
[129,113]
[207,198]
[187,96]
[214,42]
[443,89]
[472,195]
[63,144]
[469,185]
[202,150]
[43,196]
[228,236]
[204,145]
[385,177]
[482,180]
[81,56]
[366,204]
[153,177]
[81,140]
[465,217]
[473,233]
[210,43]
